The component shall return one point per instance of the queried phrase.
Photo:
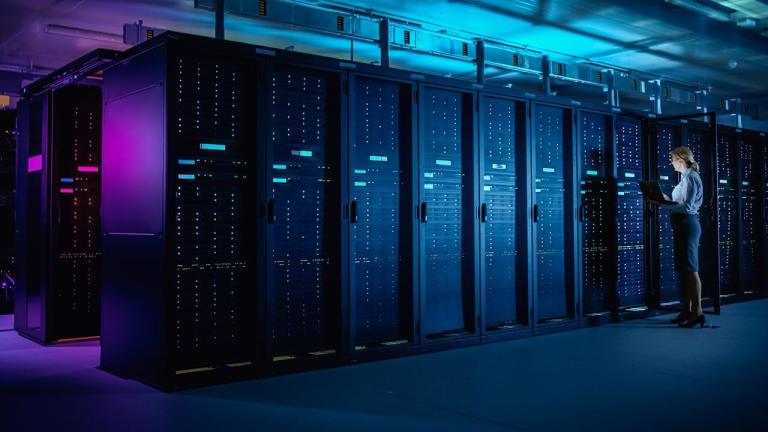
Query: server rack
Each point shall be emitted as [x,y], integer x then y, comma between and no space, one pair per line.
[179,215]
[305,283]
[631,226]
[383,271]
[504,234]
[664,134]
[597,214]
[728,211]
[449,303]
[555,300]
[763,146]
[58,232]
[750,213]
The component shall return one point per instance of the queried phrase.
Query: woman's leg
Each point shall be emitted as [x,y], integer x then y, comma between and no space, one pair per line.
[696,294]
[685,293]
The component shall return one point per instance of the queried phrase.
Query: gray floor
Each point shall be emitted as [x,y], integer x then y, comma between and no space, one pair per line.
[637,375]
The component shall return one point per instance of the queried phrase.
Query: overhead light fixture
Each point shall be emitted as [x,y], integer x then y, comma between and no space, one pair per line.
[747,23]
[83,33]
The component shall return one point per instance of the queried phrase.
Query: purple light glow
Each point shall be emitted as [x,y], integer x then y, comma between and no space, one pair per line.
[35,163]
[88,169]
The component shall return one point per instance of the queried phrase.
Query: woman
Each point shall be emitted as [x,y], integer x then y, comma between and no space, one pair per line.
[686,230]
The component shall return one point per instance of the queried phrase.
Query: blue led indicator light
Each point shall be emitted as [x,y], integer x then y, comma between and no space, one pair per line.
[217,147]
[67,180]
[186,161]
[591,172]
[361,184]
[279,180]
[443,162]
[359,171]
[375,158]
[279,167]
[186,176]
[548,170]
[630,175]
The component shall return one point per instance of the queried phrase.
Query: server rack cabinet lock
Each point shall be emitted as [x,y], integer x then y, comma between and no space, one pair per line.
[423,212]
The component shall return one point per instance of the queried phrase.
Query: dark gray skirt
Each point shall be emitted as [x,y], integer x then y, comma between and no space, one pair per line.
[686,232]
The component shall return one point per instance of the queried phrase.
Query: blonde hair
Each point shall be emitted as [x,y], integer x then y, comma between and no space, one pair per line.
[685,154]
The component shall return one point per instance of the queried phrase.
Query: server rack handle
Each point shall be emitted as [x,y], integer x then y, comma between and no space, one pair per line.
[271,211]
[353,216]
[484,212]
[581,212]
[423,212]
[535,213]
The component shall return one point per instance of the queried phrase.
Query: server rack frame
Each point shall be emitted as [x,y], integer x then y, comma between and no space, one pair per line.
[407,207]
[523,284]
[39,287]
[570,223]
[468,335]
[709,209]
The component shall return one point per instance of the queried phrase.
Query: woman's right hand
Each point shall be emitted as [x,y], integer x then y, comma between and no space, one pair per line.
[666,197]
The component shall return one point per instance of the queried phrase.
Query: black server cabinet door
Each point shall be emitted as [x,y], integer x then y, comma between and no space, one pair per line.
[597,212]
[504,283]
[630,281]
[552,218]
[212,300]
[303,216]
[446,212]
[667,138]
[76,198]
[381,224]
[727,202]
[749,224]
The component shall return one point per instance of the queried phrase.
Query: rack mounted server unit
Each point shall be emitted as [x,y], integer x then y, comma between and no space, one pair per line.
[57,212]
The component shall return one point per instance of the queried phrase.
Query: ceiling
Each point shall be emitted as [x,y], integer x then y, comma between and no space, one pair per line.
[694,41]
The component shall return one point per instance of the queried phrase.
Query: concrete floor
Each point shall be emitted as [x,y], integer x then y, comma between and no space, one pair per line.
[642,375]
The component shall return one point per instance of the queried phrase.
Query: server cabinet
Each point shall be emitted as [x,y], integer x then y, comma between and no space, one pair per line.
[667,138]
[728,211]
[58,233]
[750,213]
[631,276]
[553,214]
[448,298]
[597,213]
[503,219]
[179,299]
[701,138]
[382,227]
[303,242]
[666,134]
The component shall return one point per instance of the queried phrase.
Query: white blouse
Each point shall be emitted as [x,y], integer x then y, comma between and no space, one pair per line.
[688,194]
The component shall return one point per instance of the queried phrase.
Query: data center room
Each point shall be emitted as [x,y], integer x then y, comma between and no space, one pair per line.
[344,215]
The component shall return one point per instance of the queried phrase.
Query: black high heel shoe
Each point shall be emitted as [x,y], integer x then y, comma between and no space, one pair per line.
[680,318]
[700,320]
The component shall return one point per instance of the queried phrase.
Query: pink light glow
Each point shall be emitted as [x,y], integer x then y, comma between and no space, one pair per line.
[66,190]
[35,163]
[88,169]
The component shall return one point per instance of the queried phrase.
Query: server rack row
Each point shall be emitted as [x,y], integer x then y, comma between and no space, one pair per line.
[295,212]
[58,235]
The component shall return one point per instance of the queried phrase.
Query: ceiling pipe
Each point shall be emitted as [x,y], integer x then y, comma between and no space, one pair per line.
[77,32]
